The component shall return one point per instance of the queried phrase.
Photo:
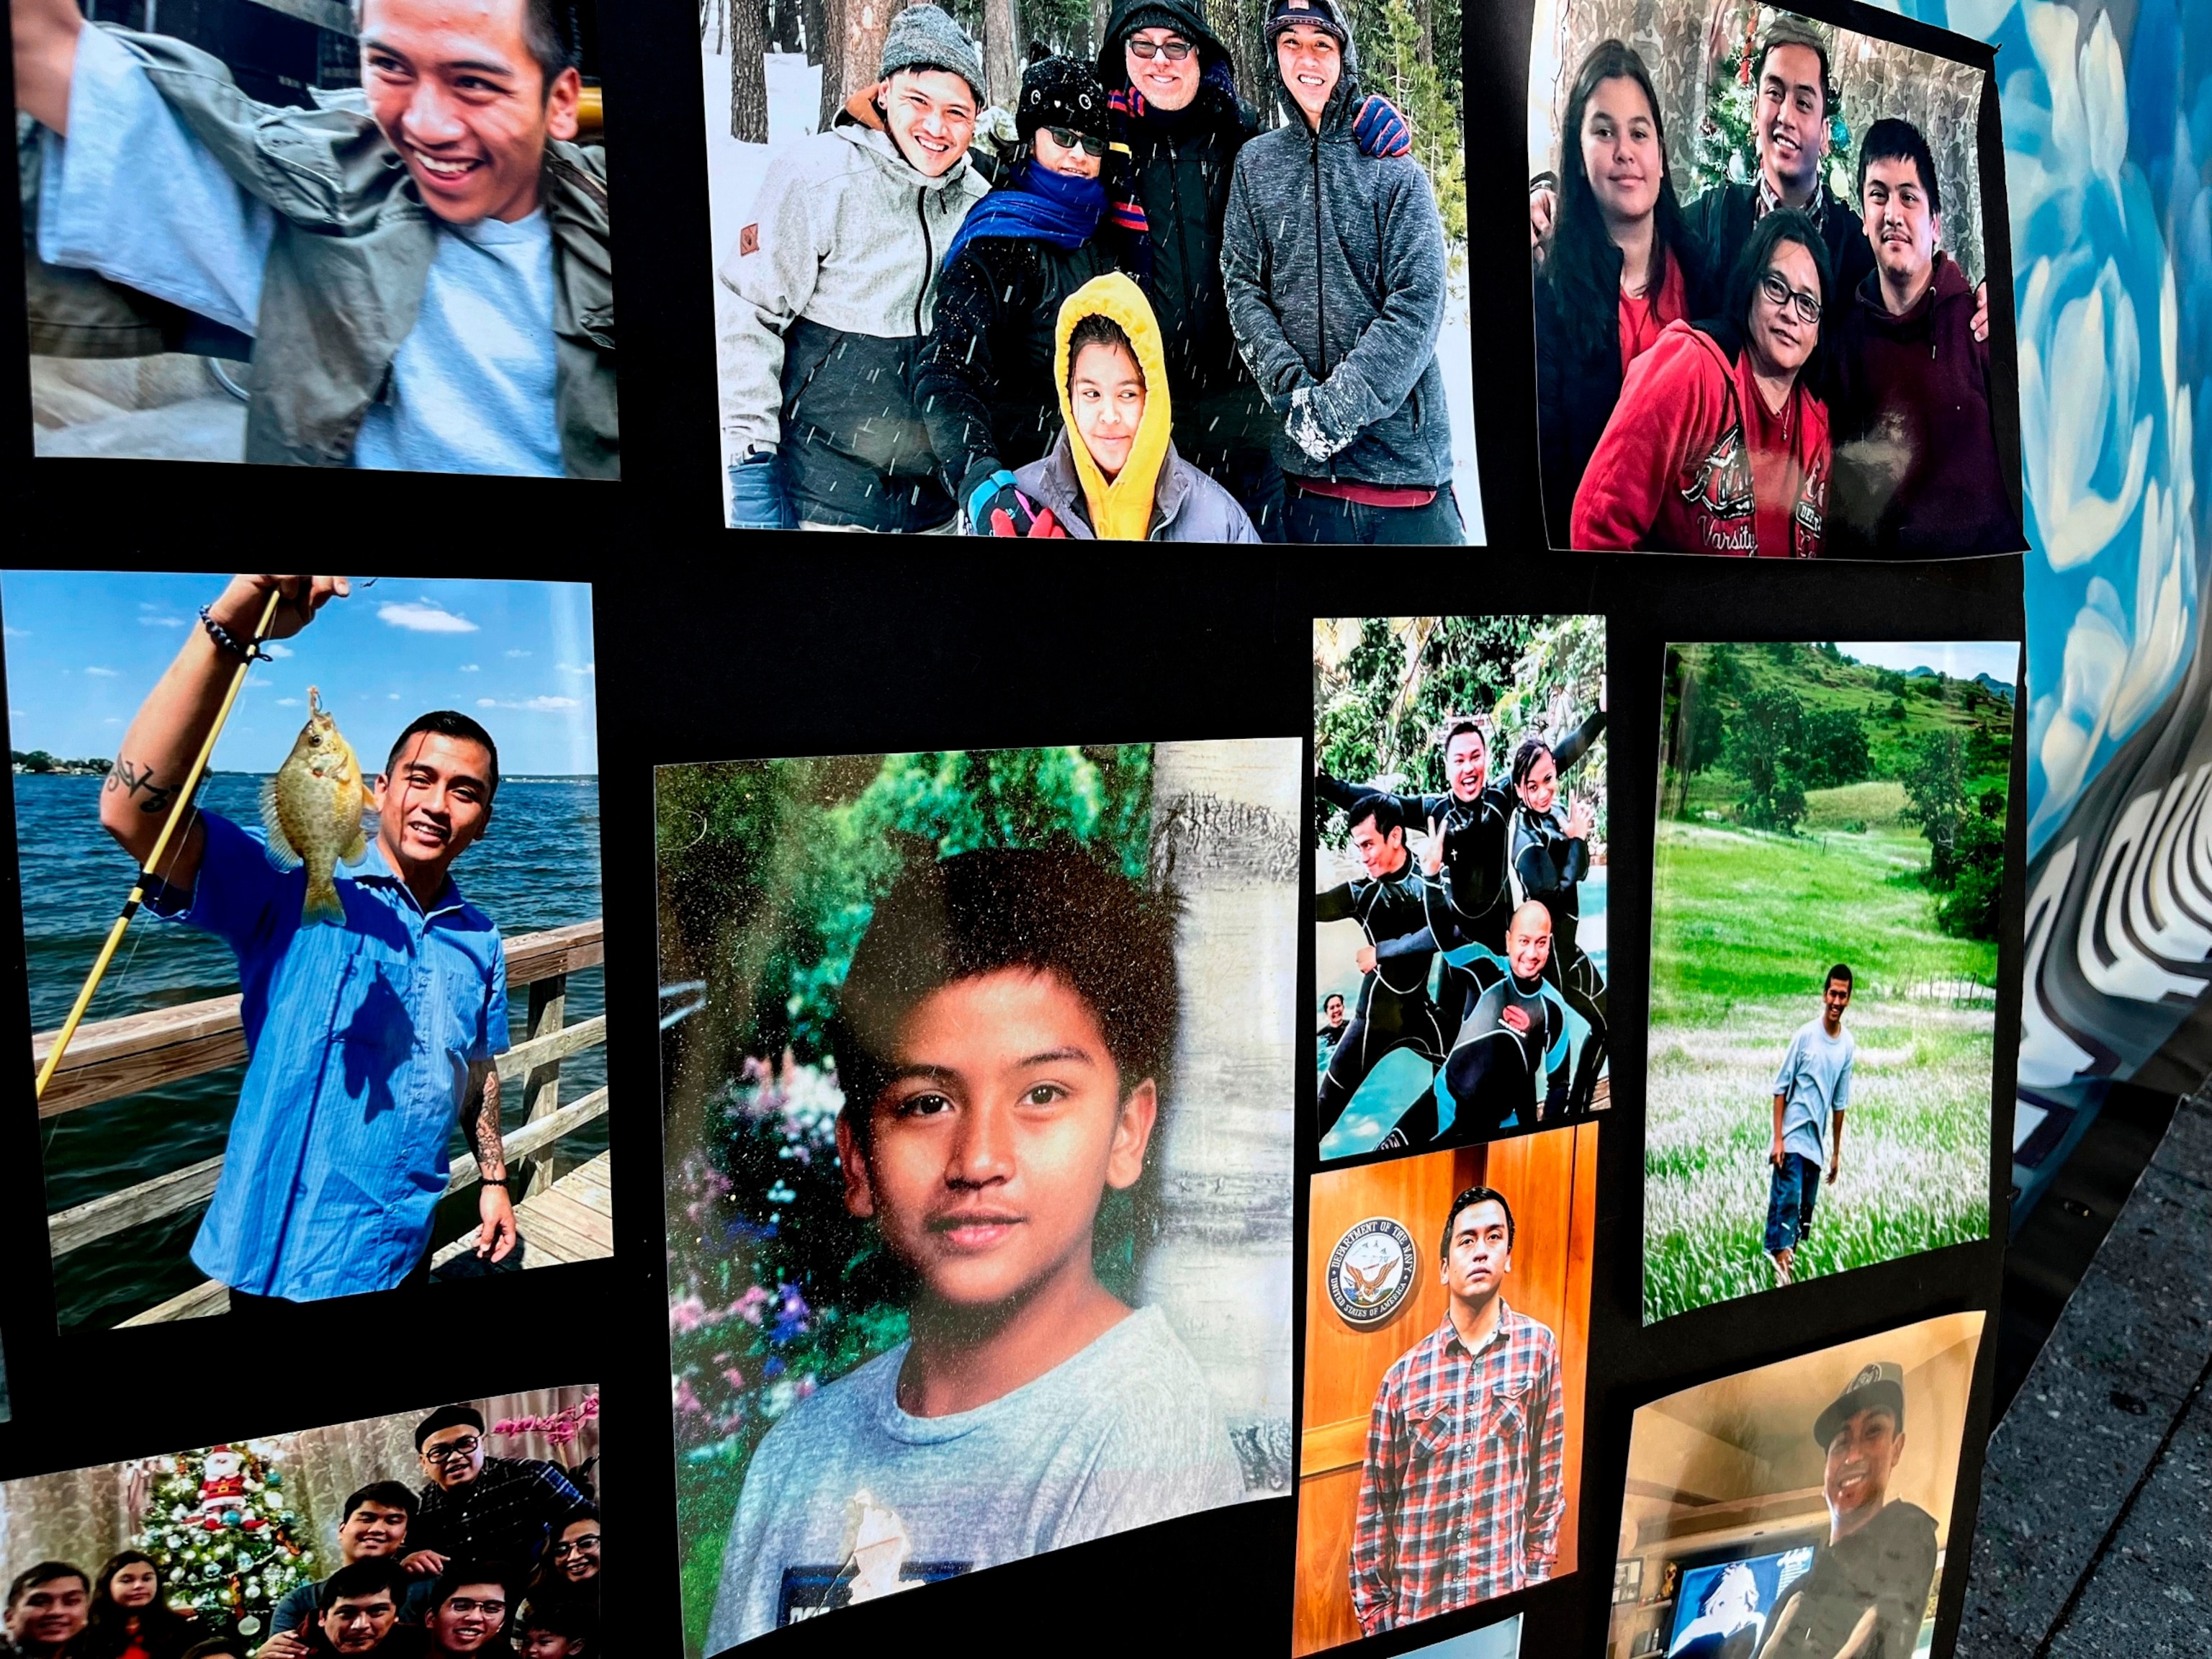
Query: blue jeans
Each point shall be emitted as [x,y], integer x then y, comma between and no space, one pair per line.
[1789,1197]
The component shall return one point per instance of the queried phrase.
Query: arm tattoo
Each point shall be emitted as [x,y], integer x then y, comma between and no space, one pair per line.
[490,1159]
[132,779]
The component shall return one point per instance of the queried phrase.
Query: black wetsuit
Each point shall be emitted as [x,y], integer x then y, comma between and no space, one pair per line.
[1548,867]
[1475,848]
[1394,1009]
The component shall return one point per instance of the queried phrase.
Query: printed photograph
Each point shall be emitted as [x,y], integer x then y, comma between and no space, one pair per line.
[1828,873]
[318,234]
[979,1073]
[1156,270]
[1447,1327]
[347,1032]
[1761,287]
[1801,1510]
[1500,1641]
[1459,872]
[470,1529]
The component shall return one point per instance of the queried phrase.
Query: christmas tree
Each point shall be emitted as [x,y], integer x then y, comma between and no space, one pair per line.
[218,1526]
[1724,151]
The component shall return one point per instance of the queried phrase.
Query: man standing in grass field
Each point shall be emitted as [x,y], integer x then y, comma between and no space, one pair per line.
[1810,1092]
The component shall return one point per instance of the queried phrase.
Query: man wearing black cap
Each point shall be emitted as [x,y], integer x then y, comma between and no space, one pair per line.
[1865,1594]
[499,1509]
[1335,267]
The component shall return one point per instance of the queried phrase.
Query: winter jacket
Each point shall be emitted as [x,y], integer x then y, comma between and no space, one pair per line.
[985,385]
[1722,219]
[345,273]
[1156,489]
[1916,473]
[1181,162]
[1334,263]
[1578,376]
[1691,462]
[835,278]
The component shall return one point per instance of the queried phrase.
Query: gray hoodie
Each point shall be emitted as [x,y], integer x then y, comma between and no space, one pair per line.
[1335,267]
[1187,505]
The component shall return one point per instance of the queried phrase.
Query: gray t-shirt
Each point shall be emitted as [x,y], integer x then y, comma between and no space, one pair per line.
[134,195]
[849,1497]
[1815,1081]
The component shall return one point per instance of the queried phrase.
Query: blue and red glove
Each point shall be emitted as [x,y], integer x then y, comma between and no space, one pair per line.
[1379,130]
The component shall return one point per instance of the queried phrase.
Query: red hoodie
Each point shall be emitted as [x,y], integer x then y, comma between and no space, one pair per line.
[1692,462]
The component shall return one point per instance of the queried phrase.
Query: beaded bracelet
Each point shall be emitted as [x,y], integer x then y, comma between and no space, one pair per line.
[226,640]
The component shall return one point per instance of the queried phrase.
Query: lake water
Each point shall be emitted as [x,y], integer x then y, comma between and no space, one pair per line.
[537,868]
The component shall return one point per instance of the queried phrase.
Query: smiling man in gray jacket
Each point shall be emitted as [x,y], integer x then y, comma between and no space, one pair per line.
[834,278]
[1333,263]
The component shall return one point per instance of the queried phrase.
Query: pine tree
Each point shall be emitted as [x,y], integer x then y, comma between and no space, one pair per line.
[219,1527]
[1390,63]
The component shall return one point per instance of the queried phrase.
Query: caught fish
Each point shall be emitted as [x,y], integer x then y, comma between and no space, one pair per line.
[313,811]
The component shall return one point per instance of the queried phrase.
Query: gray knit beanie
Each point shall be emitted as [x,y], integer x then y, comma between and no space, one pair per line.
[923,37]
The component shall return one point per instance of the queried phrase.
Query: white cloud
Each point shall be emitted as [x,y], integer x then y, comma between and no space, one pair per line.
[424,615]
[288,702]
[275,649]
[150,617]
[111,720]
[16,633]
[517,653]
[15,714]
[571,668]
[102,673]
[532,705]
[392,696]
[471,668]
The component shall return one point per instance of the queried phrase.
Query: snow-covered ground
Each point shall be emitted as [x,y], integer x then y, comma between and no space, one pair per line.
[794,94]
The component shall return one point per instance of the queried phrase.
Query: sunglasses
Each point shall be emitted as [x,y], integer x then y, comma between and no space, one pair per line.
[1174,51]
[1808,308]
[1068,138]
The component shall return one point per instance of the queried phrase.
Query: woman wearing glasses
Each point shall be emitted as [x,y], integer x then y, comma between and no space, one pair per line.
[1718,444]
[985,387]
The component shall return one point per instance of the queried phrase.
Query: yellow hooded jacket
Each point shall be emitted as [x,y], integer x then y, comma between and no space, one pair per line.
[1122,510]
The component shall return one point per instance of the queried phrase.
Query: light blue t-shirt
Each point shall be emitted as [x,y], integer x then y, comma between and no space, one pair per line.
[132,195]
[1814,1082]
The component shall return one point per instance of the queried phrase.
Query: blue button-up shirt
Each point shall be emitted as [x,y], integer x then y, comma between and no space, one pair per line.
[361,1040]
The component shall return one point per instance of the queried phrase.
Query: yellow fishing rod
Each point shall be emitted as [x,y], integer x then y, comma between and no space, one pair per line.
[153,859]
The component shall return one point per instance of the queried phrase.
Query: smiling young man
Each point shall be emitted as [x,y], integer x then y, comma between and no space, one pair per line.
[1002,1039]
[835,279]
[1463,1486]
[1868,1586]
[356,1612]
[1333,264]
[366,1039]
[421,267]
[47,1605]
[468,1612]
[1811,1091]
[478,1507]
[1916,448]
[374,1529]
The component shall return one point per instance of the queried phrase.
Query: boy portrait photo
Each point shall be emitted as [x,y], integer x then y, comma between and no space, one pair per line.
[1459,876]
[1760,254]
[1150,271]
[960,1231]
[346,1035]
[1829,868]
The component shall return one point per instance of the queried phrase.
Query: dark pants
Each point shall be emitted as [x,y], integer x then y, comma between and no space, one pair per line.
[263,1308]
[1252,476]
[1387,1023]
[1583,987]
[1327,519]
[1789,1198]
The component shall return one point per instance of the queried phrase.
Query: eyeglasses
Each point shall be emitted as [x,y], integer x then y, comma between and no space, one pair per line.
[1068,138]
[461,1604]
[453,1451]
[1174,51]
[590,1540]
[1771,285]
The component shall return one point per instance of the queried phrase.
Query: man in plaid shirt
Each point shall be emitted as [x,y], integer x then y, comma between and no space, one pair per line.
[1463,1489]
[480,1508]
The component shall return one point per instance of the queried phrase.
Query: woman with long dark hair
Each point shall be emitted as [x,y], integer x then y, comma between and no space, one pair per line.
[131,1617]
[570,1566]
[1621,265]
[1548,856]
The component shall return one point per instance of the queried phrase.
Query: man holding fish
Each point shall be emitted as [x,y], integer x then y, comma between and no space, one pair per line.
[374,996]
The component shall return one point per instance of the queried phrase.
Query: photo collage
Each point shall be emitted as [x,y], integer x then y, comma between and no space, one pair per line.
[1272,1106]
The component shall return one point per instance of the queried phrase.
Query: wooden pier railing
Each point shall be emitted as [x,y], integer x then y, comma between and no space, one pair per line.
[117,1057]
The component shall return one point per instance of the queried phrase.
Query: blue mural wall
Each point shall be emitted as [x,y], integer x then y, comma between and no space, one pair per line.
[2107,114]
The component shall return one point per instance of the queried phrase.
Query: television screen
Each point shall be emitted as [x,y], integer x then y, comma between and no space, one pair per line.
[1721,1610]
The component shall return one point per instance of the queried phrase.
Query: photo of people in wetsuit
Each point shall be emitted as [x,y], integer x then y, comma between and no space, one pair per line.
[1760,253]
[1459,878]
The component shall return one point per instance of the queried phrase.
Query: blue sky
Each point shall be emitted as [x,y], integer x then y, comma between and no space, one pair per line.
[1960,658]
[83,648]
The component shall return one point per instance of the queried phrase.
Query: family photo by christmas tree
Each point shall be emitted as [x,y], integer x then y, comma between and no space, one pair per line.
[1761,252]
[470,1529]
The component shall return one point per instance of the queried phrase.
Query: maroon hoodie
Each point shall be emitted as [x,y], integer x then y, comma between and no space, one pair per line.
[1916,451]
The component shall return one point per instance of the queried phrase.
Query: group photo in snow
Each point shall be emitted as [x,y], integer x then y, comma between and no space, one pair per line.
[1172,269]
[1761,246]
